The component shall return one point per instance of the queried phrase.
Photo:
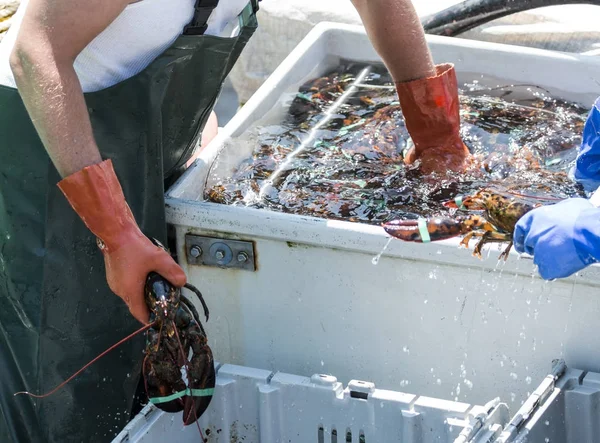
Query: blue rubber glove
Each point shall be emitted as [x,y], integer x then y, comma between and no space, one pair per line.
[563,238]
[587,166]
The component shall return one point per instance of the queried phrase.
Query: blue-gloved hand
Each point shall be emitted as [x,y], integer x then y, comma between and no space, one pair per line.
[563,238]
[587,166]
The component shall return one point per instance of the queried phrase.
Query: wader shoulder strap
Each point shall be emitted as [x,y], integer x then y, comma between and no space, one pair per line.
[202,11]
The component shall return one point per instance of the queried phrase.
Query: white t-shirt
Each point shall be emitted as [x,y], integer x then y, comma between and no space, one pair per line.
[142,32]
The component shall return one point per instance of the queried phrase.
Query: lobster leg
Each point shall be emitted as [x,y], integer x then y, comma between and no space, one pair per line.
[489,237]
[482,225]
[196,291]
[505,253]
[193,313]
[493,237]
[467,238]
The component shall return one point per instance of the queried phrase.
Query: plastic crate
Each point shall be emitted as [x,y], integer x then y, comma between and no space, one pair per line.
[253,405]
[565,408]
[257,406]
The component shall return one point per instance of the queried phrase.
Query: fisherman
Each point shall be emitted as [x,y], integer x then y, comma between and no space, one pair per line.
[564,238]
[101,103]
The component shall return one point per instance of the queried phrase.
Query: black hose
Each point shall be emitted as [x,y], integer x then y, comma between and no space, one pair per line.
[472,13]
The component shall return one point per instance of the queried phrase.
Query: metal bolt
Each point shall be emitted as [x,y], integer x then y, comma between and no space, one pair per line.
[242,257]
[196,251]
[219,255]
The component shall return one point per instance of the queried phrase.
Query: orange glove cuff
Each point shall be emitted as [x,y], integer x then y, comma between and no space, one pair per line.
[96,195]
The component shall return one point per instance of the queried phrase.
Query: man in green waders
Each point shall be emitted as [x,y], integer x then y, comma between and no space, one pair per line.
[101,102]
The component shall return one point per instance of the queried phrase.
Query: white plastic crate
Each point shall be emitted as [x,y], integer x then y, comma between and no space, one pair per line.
[565,408]
[257,406]
[430,317]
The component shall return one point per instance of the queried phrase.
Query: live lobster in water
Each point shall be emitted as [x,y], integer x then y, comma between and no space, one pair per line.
[174,330]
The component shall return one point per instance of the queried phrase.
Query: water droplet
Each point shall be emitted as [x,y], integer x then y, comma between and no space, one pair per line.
[547,423]
[513,376]
[513,396]
[404,383]
[439,381]
[528,380]
[468,383]
[547,440]
[425,301]
[406,349]
[375,260]
[322,363]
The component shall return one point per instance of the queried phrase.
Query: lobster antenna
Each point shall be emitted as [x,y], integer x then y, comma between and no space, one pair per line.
[86,366]
[535,197]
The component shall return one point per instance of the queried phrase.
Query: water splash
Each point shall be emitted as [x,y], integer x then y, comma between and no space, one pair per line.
[314,157]
[375,260]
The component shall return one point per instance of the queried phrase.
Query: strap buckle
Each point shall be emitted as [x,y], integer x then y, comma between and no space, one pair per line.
[202,11]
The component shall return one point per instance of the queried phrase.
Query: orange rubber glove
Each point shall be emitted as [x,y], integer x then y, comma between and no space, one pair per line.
[431,111]
[129,256]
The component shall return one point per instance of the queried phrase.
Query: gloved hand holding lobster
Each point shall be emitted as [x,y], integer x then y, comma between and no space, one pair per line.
[96,195]
[565,238]
[144,275]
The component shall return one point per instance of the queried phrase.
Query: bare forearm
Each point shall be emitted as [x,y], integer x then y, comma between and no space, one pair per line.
[53,97]
[52,34]
[396,33]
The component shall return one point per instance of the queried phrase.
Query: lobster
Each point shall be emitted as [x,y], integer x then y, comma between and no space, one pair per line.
[174,330]
[501,208]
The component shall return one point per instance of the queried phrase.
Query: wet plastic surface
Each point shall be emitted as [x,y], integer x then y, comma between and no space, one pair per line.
[257,406]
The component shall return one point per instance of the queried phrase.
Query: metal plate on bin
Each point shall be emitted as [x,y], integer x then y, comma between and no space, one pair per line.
[219,252]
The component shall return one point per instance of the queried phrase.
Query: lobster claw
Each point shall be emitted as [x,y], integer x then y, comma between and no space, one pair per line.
[202,379]
[201,368]
[170,390]
[425,230]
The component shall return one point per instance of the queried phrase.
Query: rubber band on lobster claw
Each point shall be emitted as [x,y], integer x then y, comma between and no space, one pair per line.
[188,392]
[424,230]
